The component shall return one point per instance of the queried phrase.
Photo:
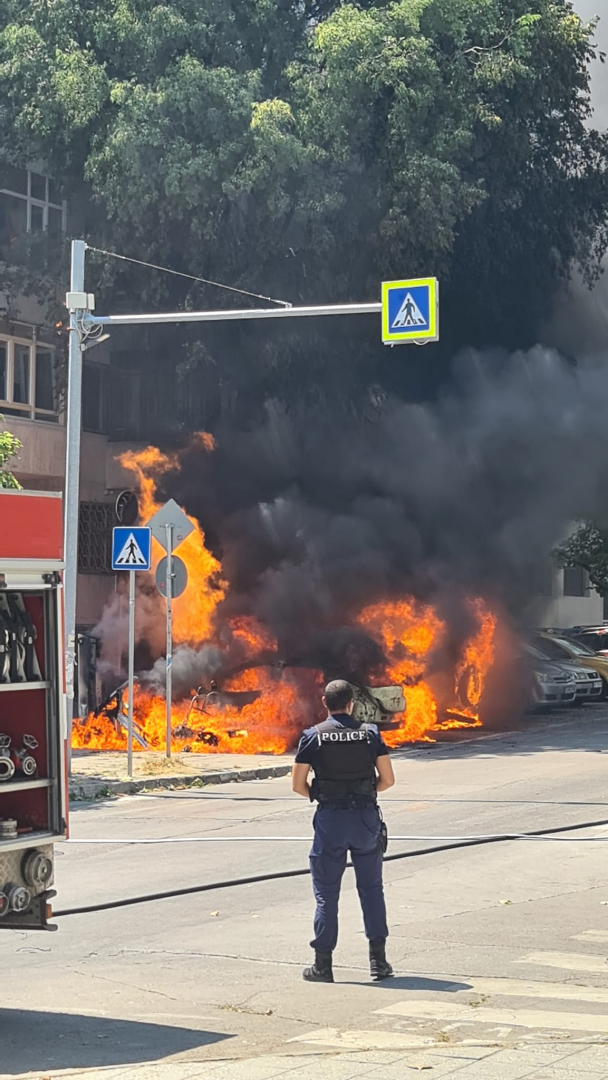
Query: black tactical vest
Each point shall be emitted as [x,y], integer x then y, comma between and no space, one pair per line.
[344,765]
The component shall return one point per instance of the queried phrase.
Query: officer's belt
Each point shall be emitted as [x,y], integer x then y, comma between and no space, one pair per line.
[355,802]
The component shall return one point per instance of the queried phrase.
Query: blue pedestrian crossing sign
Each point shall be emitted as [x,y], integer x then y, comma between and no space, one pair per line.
[410,310]
[131,548]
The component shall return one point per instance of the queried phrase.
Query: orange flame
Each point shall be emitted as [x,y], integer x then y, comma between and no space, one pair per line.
[439,694]
[193,611]
[409,632]
[266,726]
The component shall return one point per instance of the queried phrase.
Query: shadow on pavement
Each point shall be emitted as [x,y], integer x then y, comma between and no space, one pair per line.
[421,982]
[411,982]
[37,1041]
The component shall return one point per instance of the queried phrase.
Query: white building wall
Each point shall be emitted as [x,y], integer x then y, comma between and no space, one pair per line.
[566,611]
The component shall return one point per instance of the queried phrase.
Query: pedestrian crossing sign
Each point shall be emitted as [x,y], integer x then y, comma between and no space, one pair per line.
[410,310]
[131,548]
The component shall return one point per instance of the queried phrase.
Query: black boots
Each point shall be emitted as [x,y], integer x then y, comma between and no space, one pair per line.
[378,964]
[321,970]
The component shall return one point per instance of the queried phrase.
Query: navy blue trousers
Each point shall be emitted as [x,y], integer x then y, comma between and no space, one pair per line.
[338,832]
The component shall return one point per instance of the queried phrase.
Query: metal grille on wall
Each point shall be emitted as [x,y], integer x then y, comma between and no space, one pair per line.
[95,524]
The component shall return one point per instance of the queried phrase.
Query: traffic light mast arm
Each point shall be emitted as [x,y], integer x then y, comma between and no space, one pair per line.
[89,321]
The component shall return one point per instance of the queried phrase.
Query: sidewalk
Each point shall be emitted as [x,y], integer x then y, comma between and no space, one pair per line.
[97,773]
[542,1060]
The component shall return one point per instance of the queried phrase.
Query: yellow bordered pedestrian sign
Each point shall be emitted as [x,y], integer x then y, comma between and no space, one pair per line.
[410,310]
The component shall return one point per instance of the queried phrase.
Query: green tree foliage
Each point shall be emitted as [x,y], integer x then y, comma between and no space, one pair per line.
[308,150]
[587,547]
[9,445]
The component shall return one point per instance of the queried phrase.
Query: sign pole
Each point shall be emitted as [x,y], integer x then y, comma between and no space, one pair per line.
[131,671]
[169,661]
[72,482]
[131,552]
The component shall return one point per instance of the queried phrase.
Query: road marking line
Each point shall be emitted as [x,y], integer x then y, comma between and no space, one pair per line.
[600,936]
[530,1018]
[566,961]
[365,1040]
[595,995]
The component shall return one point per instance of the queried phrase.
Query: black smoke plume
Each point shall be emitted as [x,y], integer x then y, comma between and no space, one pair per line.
[316,514]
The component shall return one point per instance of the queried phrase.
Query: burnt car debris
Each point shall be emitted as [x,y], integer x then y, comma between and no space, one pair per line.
[373,705]
[114,708]
[212,702]
[380,705]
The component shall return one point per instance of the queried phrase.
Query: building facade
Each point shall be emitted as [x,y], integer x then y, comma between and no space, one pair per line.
[572,601]
[32,351]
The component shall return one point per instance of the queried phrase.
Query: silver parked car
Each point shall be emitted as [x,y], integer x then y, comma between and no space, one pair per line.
[553,683]
[589,683]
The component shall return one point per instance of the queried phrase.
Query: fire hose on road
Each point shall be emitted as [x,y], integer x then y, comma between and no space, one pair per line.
[440,844]
[456,840]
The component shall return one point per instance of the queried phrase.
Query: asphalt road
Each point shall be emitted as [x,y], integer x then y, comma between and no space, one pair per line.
[498,945]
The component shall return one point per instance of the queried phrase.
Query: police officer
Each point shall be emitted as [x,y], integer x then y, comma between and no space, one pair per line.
[351,764]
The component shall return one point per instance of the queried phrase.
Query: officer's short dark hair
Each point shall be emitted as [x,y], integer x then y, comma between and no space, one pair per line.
[338,694]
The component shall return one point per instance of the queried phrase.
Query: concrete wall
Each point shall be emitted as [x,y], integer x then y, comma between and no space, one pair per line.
[41,461]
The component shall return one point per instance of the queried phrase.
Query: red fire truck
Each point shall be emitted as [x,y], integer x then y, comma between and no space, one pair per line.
[33,747]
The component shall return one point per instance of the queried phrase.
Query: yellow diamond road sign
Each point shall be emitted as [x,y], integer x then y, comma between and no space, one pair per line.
[410,310]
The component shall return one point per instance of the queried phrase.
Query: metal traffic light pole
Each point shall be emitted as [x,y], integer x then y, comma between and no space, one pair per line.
[77,304]
[169,657]
[84,328]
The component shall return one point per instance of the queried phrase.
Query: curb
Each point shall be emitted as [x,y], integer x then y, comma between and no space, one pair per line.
[98,788]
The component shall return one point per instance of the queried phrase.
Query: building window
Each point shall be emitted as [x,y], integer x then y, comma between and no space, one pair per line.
[27,380]
[95,523]
[125,391]
[95,397]
[546,579]
[576,581]
[29,203]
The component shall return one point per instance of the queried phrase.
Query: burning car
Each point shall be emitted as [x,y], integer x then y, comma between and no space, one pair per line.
[382,706]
